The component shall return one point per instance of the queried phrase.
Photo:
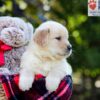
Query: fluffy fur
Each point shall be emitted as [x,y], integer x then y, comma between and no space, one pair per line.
[14,31]
[46,55]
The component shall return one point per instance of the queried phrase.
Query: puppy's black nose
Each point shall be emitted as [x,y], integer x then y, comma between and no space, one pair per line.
[69,47]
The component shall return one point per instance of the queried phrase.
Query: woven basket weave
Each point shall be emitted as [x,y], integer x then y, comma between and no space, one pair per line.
[2,94]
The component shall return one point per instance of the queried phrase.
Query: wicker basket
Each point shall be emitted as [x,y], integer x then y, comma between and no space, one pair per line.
[2,93]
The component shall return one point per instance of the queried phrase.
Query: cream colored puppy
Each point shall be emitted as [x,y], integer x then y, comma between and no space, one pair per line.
[46,55]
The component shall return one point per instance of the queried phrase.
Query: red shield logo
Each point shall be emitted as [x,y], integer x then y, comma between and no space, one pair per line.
[92,4]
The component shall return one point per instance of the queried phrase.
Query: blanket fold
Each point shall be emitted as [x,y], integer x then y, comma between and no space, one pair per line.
[38,90]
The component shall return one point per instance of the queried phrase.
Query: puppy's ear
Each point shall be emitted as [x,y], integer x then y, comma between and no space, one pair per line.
[41,37]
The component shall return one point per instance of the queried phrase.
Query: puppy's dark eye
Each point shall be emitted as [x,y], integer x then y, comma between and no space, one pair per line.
[58,38]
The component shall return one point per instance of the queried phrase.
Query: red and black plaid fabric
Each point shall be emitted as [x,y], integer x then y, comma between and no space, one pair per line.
[38,90]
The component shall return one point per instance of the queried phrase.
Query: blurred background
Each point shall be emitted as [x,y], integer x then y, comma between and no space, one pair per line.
[84,36]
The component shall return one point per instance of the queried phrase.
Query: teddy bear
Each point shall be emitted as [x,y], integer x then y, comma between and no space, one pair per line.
[15,34]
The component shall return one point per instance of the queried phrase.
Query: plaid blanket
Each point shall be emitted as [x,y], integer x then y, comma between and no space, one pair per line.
[38,90]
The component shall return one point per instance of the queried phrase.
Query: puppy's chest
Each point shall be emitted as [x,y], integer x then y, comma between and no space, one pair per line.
[43,68]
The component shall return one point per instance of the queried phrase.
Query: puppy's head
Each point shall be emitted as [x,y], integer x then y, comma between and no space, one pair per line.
[52,38]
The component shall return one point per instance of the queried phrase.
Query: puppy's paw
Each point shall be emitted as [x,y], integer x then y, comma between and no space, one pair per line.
[52,83]
[25,83]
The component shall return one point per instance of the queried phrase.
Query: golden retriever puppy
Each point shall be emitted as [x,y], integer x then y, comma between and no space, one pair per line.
[46,55]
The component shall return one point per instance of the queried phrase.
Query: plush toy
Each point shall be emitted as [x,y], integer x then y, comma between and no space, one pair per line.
[14,37]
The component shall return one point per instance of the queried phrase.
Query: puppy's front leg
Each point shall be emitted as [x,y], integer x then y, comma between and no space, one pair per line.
[26,73]
[26,79]
[55,76]
[52,83]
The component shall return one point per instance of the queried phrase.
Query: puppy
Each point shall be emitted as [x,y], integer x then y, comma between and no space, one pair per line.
[46,54]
